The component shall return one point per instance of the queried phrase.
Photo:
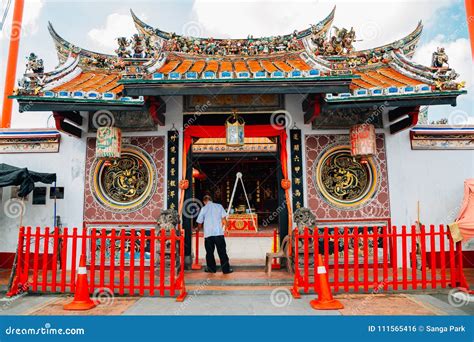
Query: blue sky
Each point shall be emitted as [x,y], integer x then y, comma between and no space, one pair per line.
[95,24]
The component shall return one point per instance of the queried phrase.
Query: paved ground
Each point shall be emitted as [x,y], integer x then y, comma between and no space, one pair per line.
[263,302]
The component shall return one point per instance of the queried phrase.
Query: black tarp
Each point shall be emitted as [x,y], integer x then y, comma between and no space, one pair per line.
[11,175]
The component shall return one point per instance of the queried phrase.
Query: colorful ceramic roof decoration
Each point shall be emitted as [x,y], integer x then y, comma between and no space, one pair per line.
[154,61]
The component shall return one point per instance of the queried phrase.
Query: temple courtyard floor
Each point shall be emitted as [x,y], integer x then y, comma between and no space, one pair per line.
[271,301]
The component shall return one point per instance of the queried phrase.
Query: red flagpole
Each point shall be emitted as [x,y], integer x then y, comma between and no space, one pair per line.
[470,22]
[12,63]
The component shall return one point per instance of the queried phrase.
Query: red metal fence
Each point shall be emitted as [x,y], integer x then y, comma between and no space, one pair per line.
[133,262]
[363,259]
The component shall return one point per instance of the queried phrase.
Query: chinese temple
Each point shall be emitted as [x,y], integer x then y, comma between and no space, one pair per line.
[306,118]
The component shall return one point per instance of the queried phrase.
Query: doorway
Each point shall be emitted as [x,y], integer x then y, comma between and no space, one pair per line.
[217,176]
[214,167]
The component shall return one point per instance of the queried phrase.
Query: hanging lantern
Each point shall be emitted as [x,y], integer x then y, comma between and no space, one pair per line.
[363,141]
[234,130]
[109,142]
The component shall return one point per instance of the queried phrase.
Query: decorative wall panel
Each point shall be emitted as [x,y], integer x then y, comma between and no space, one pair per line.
[128,190]
[341,188]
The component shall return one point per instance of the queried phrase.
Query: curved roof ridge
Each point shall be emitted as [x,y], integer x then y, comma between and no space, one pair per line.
[144,28]
[63,47]
[407,44]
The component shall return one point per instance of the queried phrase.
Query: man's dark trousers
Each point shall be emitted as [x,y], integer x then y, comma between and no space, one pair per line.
[211,243]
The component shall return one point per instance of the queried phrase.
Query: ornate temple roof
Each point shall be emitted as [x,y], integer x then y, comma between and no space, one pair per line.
[319,59]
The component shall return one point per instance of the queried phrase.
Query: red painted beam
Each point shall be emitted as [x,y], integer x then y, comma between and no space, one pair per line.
[470,22]
[12,63]
[314,109]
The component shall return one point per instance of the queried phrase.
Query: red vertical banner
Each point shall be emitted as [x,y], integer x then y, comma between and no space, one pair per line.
[470,22]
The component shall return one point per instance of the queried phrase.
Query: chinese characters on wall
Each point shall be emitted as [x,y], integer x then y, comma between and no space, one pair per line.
[296,169]
[173,167]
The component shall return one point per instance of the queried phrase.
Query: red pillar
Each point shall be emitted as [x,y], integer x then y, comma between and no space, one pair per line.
[470,22]
[12,63]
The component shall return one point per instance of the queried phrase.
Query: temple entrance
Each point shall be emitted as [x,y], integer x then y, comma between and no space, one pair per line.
[254,215]
[217,176]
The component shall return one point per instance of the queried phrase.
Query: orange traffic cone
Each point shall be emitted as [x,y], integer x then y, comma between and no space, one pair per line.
[81,300]
[325,300]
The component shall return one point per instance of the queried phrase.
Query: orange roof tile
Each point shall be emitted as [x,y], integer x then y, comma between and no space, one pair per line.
[373,80]
[389,72]
[168,67]
[390,80]
[91,81]
[299,64]
[240,66]
[212,66]
[359,83]
[225,66]
[108,83]
[382,78]
[75,83]
[268,66]
[254,65]
[183,67]
[283,66]
[198,66]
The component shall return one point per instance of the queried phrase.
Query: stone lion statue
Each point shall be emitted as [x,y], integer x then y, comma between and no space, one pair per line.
[168,220]
[304,218]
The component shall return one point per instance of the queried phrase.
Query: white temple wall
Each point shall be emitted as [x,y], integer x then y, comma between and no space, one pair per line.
[435,178]
[68,165]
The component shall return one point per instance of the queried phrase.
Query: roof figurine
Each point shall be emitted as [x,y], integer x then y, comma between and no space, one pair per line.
[440,58]
[122,50]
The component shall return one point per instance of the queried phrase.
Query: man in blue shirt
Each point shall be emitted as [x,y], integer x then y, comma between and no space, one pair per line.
[214,218]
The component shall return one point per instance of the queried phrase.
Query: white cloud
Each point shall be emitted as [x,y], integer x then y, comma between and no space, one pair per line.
[376,22]
[31,14]
[116,25]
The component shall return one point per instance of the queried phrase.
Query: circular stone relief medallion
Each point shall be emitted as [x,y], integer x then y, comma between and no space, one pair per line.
[124,184]
[342,180]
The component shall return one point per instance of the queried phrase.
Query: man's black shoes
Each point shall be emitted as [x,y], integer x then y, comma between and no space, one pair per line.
[207,270]
[230,270]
